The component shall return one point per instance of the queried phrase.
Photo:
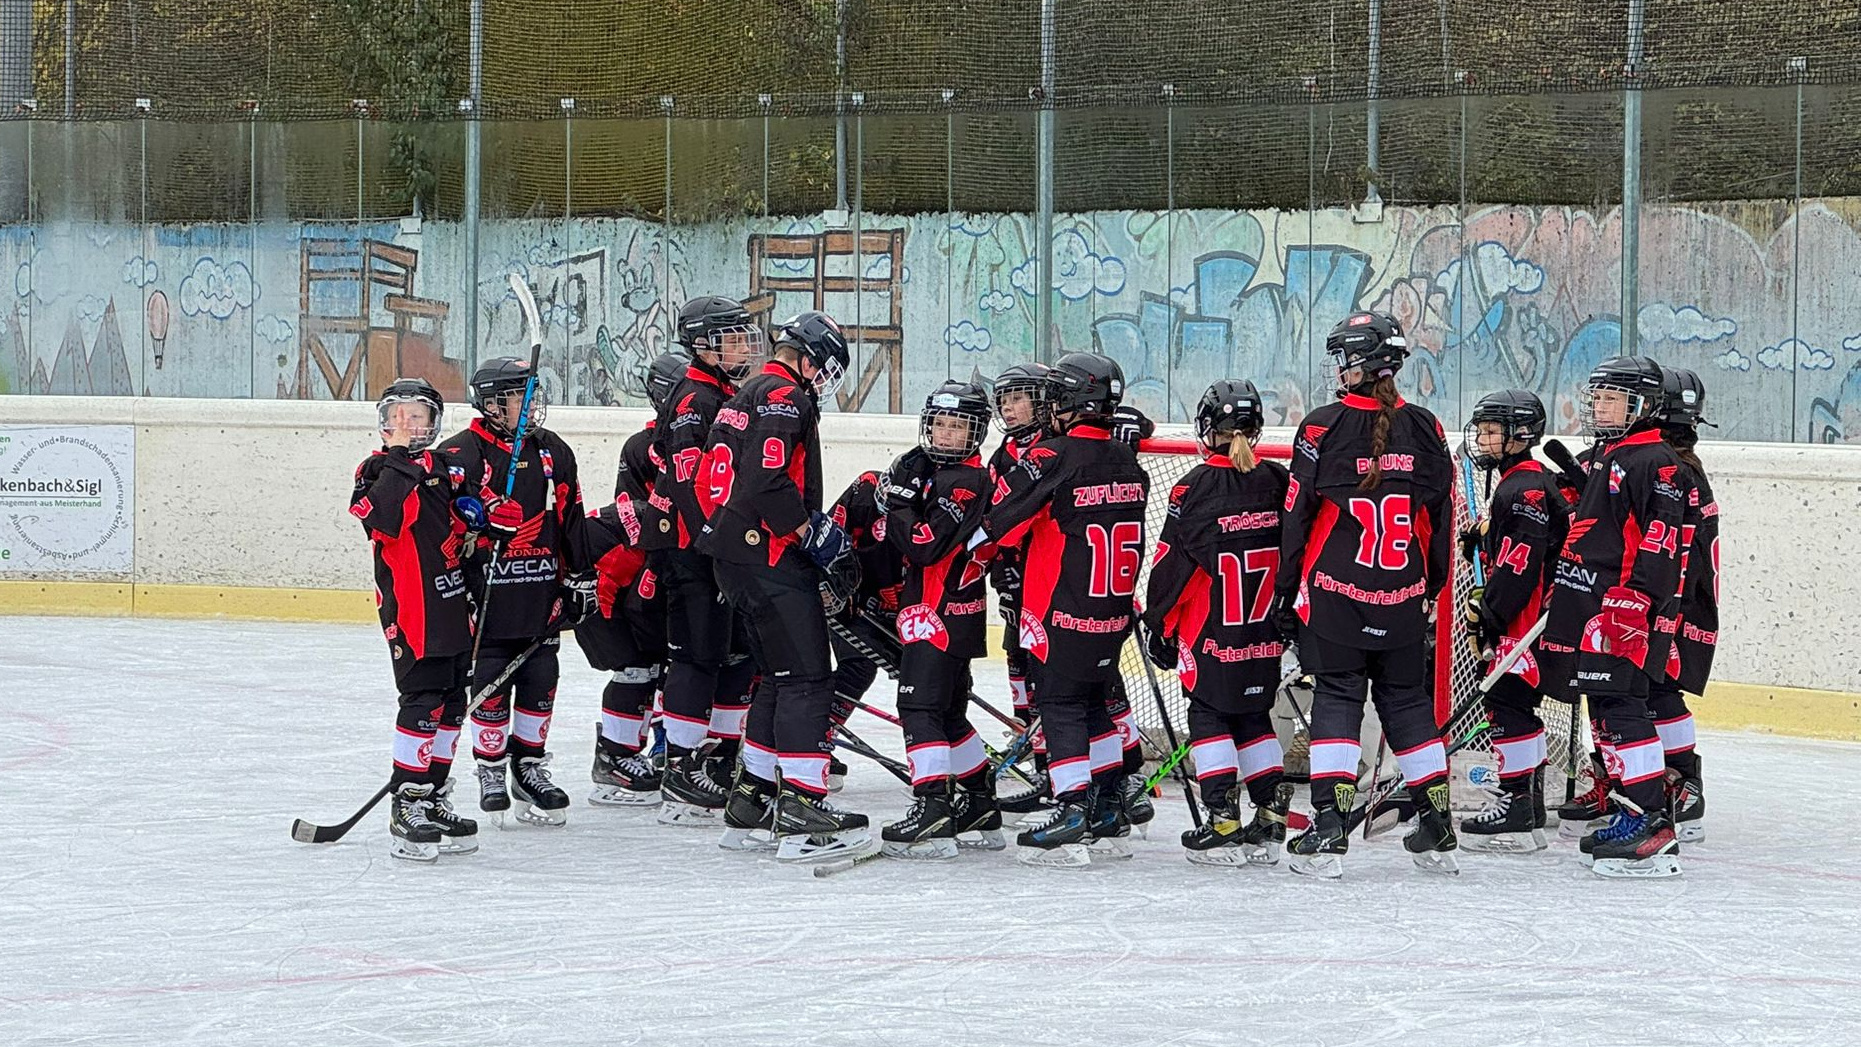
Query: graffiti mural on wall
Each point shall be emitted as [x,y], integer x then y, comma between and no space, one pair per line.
[1751,295]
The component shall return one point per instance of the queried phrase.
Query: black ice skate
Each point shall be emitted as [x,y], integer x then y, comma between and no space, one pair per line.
[1432,842]
[1137,805]
[1319,851]
[457,835]
[622,781]
[811,829]
[1032,797]
[493,793]
[416,838]
[1587,812]
[1218,841]
[978,819]
[749,816]
[1108,822]
[1635,845]
[538,800]
[1505,825]
[927,831]
[1686,807]
[1058,840]
[691,795]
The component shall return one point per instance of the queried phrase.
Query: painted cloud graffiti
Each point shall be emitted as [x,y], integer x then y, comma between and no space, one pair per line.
[216,290]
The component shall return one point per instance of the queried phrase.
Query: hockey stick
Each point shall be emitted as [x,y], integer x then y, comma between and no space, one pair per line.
[305,832]
[1020,747]
[873,709]
[1169,729]
[526,301]
[853,743]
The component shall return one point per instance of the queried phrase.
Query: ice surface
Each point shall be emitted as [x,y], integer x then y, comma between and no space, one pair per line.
[152,895]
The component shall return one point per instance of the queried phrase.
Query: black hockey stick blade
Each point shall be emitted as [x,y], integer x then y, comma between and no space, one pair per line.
[304,832]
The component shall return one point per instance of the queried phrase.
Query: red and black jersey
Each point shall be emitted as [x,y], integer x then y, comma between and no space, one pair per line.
[881,566]
[761,477]
[1359,564]
[1214,576]
[684,428]
[623,582]
[551,543]
[1526,524]
[405,504]
[943,604]
[1006,565]
[1075,505]
[1690,664]
[1625,531]
[639,466]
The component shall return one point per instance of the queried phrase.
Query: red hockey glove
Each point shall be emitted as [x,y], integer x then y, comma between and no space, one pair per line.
[1624,623]
[503,517]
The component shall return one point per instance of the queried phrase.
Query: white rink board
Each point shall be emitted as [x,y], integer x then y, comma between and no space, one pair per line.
[150,894]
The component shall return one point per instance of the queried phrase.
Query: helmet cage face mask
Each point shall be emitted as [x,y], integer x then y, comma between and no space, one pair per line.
[1596,400]
[1031,392]
[739,349]
[948,416]
[501,407]
[828,378]
[423,435]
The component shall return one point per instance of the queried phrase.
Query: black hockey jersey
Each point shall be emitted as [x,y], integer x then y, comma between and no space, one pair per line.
[549,546]
[1625,531]
[1526,524]
[1358,565]
[1005,567]
[1075,505]
[761,471]
[943,603]
[1214,576]
[1690,663]
[405,504]
[881,565]
[675,515]
[639,465]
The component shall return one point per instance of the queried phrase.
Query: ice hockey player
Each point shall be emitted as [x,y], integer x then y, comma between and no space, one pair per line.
[709,670]
[862,596]
[1026,417]
[538,543]
[404,500]
[934,496]
[761,492]
[1690,663]
[1366,549]
[1516,545]
[1615,599]
[625,636]
[1075,506]
[1206,618]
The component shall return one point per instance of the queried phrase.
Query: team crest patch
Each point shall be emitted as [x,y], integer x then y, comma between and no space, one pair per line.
[1185,664]
[1033,635]
[920,624]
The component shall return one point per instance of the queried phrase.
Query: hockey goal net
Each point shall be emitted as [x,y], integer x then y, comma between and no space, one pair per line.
[1456,673]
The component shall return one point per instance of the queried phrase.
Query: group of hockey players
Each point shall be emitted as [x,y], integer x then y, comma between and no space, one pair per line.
[747,616]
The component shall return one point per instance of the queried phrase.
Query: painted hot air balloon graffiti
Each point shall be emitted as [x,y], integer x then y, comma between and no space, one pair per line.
[158,324]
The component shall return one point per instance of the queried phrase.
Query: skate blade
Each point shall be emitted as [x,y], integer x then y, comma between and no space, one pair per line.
[941,849]
[981,840]
[1227,856]
[1659,867]
[1109,848]
[1265,855]
[747,840]
[529,814]
[672,812]
[803,850]
[619,796]
[1570,829]
[468,845]
[1440,863]
[1690,832]
[1504,843]
[1065,856]
[1318,866]
[425,853]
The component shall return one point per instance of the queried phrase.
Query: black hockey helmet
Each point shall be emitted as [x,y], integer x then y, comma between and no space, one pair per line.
[1230,406]
[1683,399]
[819,340]
[720,325]
[1372,343]
[492,385]
[1638,378]
[1086,385]
[413,391]
[663,375]
[1029,379]
[962,403]
[1519,414]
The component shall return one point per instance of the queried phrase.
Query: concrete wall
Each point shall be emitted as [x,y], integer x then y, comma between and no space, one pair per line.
[241,494]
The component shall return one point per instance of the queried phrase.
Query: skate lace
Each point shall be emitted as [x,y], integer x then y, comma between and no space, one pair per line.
[416,816]
[534,774]
[1624,826]
[634,766]
[1036,784]
[1053,818]
[492,775]
[1496,809]
[699,777]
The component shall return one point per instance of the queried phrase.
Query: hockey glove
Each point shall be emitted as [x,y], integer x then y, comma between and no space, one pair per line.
[825,541]
[1483,630]
[578,597]
[1286,620]
[502,518]
[839,584]
[1470,541]
[471,512]
[1128,425]
[1162,650]
[1623,624]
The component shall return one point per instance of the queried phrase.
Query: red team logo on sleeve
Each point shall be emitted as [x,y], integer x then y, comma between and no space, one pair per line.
[1033,635]
[1185,664]
[920,624]
[1533,497]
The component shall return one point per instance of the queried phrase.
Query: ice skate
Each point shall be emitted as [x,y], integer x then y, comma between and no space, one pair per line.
[1030,797]
[809,829]
[622,781]
[493,793]
[1588,811]
[1218,841]
[1108,823]
[1686,807]
[690,795]
[457,835]
[1137,805]
[978,820]
[1635,846]
[537,799]
[1319,851]
[416,838]
[1265,836]
[926,832]
[1058,840]
[1432,842]
[1504,825]
[749,816]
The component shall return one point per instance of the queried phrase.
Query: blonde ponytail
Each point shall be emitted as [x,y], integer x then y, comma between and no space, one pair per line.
[1241,453]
